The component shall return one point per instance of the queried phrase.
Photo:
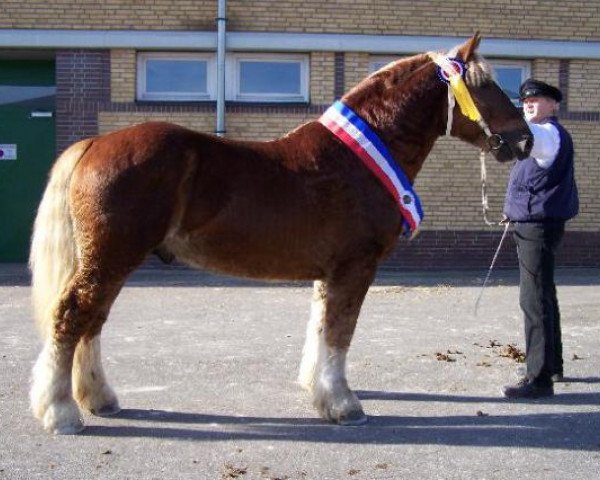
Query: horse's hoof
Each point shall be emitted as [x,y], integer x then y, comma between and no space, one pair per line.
[68,429]
[353,419]
[347,415]
[107,410]
[63,418]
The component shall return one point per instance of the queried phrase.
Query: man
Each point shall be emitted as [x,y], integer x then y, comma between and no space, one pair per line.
[541,197]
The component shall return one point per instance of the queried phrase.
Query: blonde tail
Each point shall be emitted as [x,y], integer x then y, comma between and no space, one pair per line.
[53,256]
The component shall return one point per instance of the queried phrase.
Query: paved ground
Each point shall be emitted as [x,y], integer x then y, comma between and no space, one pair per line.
[205,367]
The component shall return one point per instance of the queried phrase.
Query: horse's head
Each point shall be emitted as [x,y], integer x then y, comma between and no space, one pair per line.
[501,129]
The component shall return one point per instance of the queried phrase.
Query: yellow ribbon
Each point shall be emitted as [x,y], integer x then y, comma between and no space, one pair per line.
[464,99]
[459,88]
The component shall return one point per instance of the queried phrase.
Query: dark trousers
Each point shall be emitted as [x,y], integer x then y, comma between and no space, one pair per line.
[536,247]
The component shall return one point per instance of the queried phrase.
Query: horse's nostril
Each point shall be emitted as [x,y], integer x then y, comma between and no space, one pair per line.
[523,145]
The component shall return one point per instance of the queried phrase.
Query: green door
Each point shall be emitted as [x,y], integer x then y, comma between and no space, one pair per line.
[27,149]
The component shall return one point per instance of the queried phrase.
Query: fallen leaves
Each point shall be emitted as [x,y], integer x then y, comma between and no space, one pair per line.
[442,357]
[511,351]
[233,472]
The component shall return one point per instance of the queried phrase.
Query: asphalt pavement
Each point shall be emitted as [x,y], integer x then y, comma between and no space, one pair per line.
[205,368]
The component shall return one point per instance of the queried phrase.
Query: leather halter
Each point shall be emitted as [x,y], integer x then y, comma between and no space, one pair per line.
[459,93]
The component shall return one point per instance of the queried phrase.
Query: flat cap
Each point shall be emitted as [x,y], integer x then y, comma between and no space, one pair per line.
[537,88]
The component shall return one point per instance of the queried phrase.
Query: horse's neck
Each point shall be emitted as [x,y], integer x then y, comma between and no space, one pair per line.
[406,118]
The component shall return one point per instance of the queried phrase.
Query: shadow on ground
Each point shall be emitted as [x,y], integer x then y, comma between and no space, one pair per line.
[567,431]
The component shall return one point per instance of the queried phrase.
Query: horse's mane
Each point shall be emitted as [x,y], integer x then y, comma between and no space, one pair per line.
[401,83]
[479,71]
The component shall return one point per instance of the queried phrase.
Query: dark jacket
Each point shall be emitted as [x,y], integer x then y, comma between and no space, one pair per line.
[538,194]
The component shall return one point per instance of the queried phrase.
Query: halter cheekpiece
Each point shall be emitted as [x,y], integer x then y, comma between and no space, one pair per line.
[452,70]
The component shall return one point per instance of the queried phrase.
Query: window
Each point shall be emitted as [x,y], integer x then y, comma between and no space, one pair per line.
[510,75]
[249,77]
[169,76]
[268,78]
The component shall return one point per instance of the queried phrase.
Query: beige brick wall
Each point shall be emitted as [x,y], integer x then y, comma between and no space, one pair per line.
[546,70]
[356,68]
[242,126]
[122,75]
[584,85]
[322,73]
[111,121]
[450,187]
[569,19]
[113,14]
[586,138]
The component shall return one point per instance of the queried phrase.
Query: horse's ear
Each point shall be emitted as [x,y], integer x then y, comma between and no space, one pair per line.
[468,48]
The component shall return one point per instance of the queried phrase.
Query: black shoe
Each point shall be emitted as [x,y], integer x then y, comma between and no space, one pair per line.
[558,377]
[527,389]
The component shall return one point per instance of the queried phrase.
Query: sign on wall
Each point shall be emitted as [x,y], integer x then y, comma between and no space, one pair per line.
[8,151]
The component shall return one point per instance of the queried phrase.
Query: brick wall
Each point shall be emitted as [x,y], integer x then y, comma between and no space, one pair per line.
[356,68]
[475,249]
[82,84]
[584,83]
[546,70]
[244,123]
[322,77]
[96,94]
[122,75]
[569,19]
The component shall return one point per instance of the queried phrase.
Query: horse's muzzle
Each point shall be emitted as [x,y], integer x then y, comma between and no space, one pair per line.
[522,148]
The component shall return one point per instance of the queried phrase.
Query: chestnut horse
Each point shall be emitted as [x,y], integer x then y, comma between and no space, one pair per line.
[303,207]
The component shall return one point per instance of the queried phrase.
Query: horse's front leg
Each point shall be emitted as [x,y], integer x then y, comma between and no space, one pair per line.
[314,329]
[335,309]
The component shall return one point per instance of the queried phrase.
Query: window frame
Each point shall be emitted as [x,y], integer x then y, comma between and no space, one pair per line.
[233,68]
[143,95]
[525,66]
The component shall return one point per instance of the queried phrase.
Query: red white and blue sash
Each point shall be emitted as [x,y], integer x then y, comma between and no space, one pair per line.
[364,142]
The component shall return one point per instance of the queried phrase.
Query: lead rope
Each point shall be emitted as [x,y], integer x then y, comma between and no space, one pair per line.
[484,198]
[487,277]
[485,207]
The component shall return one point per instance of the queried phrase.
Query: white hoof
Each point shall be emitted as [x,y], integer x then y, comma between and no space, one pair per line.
[340,406]
[106,410]
[103,402]
[63,419]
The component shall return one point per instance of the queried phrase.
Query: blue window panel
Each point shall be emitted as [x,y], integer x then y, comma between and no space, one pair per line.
[176,76]
[510,80]
[281,78]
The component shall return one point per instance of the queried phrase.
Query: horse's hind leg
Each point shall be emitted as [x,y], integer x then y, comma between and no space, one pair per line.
[336,305]
[80,313]
[90,388]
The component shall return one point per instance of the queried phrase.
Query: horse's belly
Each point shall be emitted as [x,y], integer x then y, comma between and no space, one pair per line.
[246,258]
